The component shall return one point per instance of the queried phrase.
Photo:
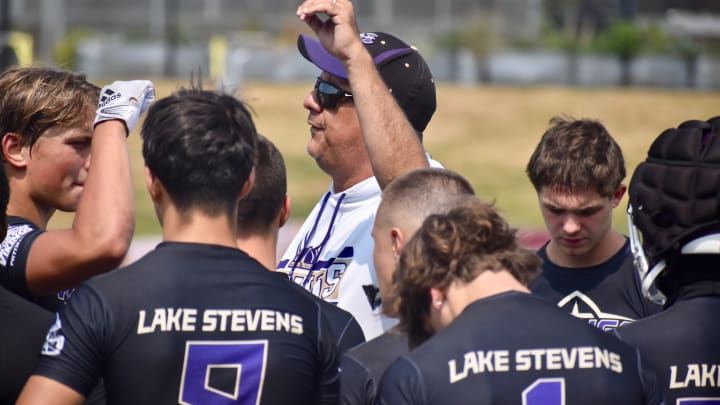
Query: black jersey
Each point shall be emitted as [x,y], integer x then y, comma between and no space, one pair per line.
[682,344]
[514,348]
[363,366]
[607,295]
[14,252]
[342,324]
[23,332]
[193,323]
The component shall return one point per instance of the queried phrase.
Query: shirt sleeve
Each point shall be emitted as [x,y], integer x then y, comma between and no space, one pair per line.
[401,384]
[357,387]
[73,350]
[327,348]
[351,336]
[14,252]
[650,383]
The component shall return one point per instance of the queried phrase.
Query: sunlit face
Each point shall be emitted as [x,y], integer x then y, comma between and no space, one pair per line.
[336,142]
[57,166]
[578,221]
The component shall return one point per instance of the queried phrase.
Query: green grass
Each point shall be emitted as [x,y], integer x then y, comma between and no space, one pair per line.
[484,133]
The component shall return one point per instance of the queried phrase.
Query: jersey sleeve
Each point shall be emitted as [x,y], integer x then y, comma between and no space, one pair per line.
[73,350]
[401,384]
[329,387]
[650,383]
[351,336]
[356,385]
[14,252]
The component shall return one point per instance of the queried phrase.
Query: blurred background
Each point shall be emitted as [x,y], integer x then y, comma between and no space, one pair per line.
[666,43]
[503,68]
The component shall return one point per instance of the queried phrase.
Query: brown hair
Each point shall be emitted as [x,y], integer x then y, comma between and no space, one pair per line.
[258,209]
[455,247]
[575,155]
[34,99]
[413,196]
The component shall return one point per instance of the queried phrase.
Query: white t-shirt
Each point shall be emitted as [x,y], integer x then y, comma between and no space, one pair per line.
[335,251]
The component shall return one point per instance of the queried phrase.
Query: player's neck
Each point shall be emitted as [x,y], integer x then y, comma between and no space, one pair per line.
[20,206]
[198,227]
[486,284]
[261,248]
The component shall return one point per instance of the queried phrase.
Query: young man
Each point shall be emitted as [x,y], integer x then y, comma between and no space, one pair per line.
[261,214]
[363,138]
[674,205]
[26,324]
[196,320]
[577,170]
[483,339]
[49,131]
[406,202]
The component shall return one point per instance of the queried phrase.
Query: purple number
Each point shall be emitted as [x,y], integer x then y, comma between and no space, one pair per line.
[241,363]
[545,391]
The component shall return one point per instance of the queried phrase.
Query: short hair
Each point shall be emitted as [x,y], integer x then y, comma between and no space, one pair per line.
[413,196]
[34,99]
[201,146]
[455,247]
[259,209]
[577,154]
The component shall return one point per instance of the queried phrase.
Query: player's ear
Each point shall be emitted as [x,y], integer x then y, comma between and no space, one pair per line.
[618,195]
[153,185]
[248,183]
[437,298]
[12,150]
[284,210]
[398,242]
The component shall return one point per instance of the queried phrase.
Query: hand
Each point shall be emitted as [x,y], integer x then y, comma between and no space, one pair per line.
[125,101]
[338,34]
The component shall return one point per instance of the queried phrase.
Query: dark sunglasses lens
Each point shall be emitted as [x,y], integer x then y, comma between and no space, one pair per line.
[328,95]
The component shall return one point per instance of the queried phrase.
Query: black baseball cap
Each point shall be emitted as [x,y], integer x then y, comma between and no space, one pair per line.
[400,65]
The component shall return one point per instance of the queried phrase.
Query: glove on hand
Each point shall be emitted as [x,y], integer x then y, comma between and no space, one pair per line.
[126,101]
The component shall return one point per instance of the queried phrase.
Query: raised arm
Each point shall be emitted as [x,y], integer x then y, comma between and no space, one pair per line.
[105,219]
[392,143]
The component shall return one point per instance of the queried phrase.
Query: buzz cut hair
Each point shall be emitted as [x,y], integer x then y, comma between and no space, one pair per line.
[410,198]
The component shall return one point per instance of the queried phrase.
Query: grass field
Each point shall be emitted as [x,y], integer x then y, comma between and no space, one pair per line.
[485,133]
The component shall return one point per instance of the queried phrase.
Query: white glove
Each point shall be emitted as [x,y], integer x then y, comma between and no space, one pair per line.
[126,101]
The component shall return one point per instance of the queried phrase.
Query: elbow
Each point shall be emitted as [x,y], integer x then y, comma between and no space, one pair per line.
[115,250]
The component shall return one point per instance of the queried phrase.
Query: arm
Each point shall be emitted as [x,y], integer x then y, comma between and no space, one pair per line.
[42,390]
[391,142]
[105,219]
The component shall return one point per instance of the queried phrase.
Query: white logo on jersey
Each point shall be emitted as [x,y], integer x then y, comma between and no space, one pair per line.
[591,311]
[54,341]
[14,235]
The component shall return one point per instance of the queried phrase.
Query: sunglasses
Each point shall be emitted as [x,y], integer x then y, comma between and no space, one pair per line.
[328,94]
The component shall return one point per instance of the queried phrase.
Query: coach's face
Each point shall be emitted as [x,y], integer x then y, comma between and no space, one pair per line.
[336,142]
[579,222]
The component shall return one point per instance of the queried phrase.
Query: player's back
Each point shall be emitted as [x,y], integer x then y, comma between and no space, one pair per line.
[195,323]
[681,344]
[517,348]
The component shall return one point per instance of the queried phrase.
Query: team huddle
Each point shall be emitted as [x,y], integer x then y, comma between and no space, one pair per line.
[401,287]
